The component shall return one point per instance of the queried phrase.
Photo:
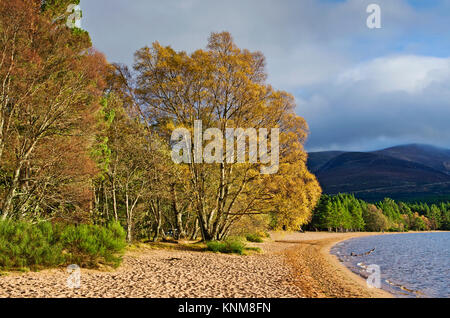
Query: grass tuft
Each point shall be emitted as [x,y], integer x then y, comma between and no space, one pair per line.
[229,246]
[254,237]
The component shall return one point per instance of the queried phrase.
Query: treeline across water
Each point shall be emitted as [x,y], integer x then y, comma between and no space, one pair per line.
[344,212]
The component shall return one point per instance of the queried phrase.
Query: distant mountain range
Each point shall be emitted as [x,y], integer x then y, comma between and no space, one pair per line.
[408,172]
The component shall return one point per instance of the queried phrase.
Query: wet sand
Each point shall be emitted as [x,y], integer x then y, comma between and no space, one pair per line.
[321,275]
[292,266]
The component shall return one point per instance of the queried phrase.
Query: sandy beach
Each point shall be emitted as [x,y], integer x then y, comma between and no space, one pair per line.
[293,265]
[320,274]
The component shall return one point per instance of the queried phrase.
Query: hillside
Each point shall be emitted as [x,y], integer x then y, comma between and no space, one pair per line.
[317,159]
[437,158]
[405,172]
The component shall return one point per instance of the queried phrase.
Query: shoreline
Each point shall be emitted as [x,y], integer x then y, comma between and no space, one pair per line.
[334,259]
[319,273]
[378,293]
[292,265]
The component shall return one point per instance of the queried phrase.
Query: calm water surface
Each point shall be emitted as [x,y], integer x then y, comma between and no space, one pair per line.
[412,265]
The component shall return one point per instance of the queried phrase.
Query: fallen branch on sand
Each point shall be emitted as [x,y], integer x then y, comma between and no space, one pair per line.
[364,254]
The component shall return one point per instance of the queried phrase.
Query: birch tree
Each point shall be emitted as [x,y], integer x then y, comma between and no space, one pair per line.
[225,87]
[50,87]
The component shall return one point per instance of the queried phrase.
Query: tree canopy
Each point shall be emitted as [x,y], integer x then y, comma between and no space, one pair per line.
[225,87]
[84,141]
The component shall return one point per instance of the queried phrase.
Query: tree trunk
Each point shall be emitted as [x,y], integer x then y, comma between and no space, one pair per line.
[178,215]
[157,230]
[195,230]
[129,229]
[155,208]
[206,234]
[114,201]
[11,193]
[105,203]
[129,217]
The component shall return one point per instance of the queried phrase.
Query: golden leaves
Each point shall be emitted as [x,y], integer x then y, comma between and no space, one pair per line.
[224,86]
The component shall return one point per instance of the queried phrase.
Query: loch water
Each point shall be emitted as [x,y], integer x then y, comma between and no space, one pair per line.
[411,265]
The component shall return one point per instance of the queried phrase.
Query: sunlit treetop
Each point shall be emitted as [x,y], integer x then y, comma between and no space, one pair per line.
[58,11]
[57,7]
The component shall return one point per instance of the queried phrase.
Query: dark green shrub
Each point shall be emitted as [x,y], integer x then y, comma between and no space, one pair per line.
[90,245]
[215,246]
[229,246]
[25,245]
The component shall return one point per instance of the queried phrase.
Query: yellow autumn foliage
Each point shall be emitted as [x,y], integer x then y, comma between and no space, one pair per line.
[225,87]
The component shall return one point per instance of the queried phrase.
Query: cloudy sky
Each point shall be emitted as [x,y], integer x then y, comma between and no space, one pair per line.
[358,88]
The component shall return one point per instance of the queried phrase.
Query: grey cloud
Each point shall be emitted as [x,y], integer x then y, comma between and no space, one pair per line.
[356,115]
[309,44]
